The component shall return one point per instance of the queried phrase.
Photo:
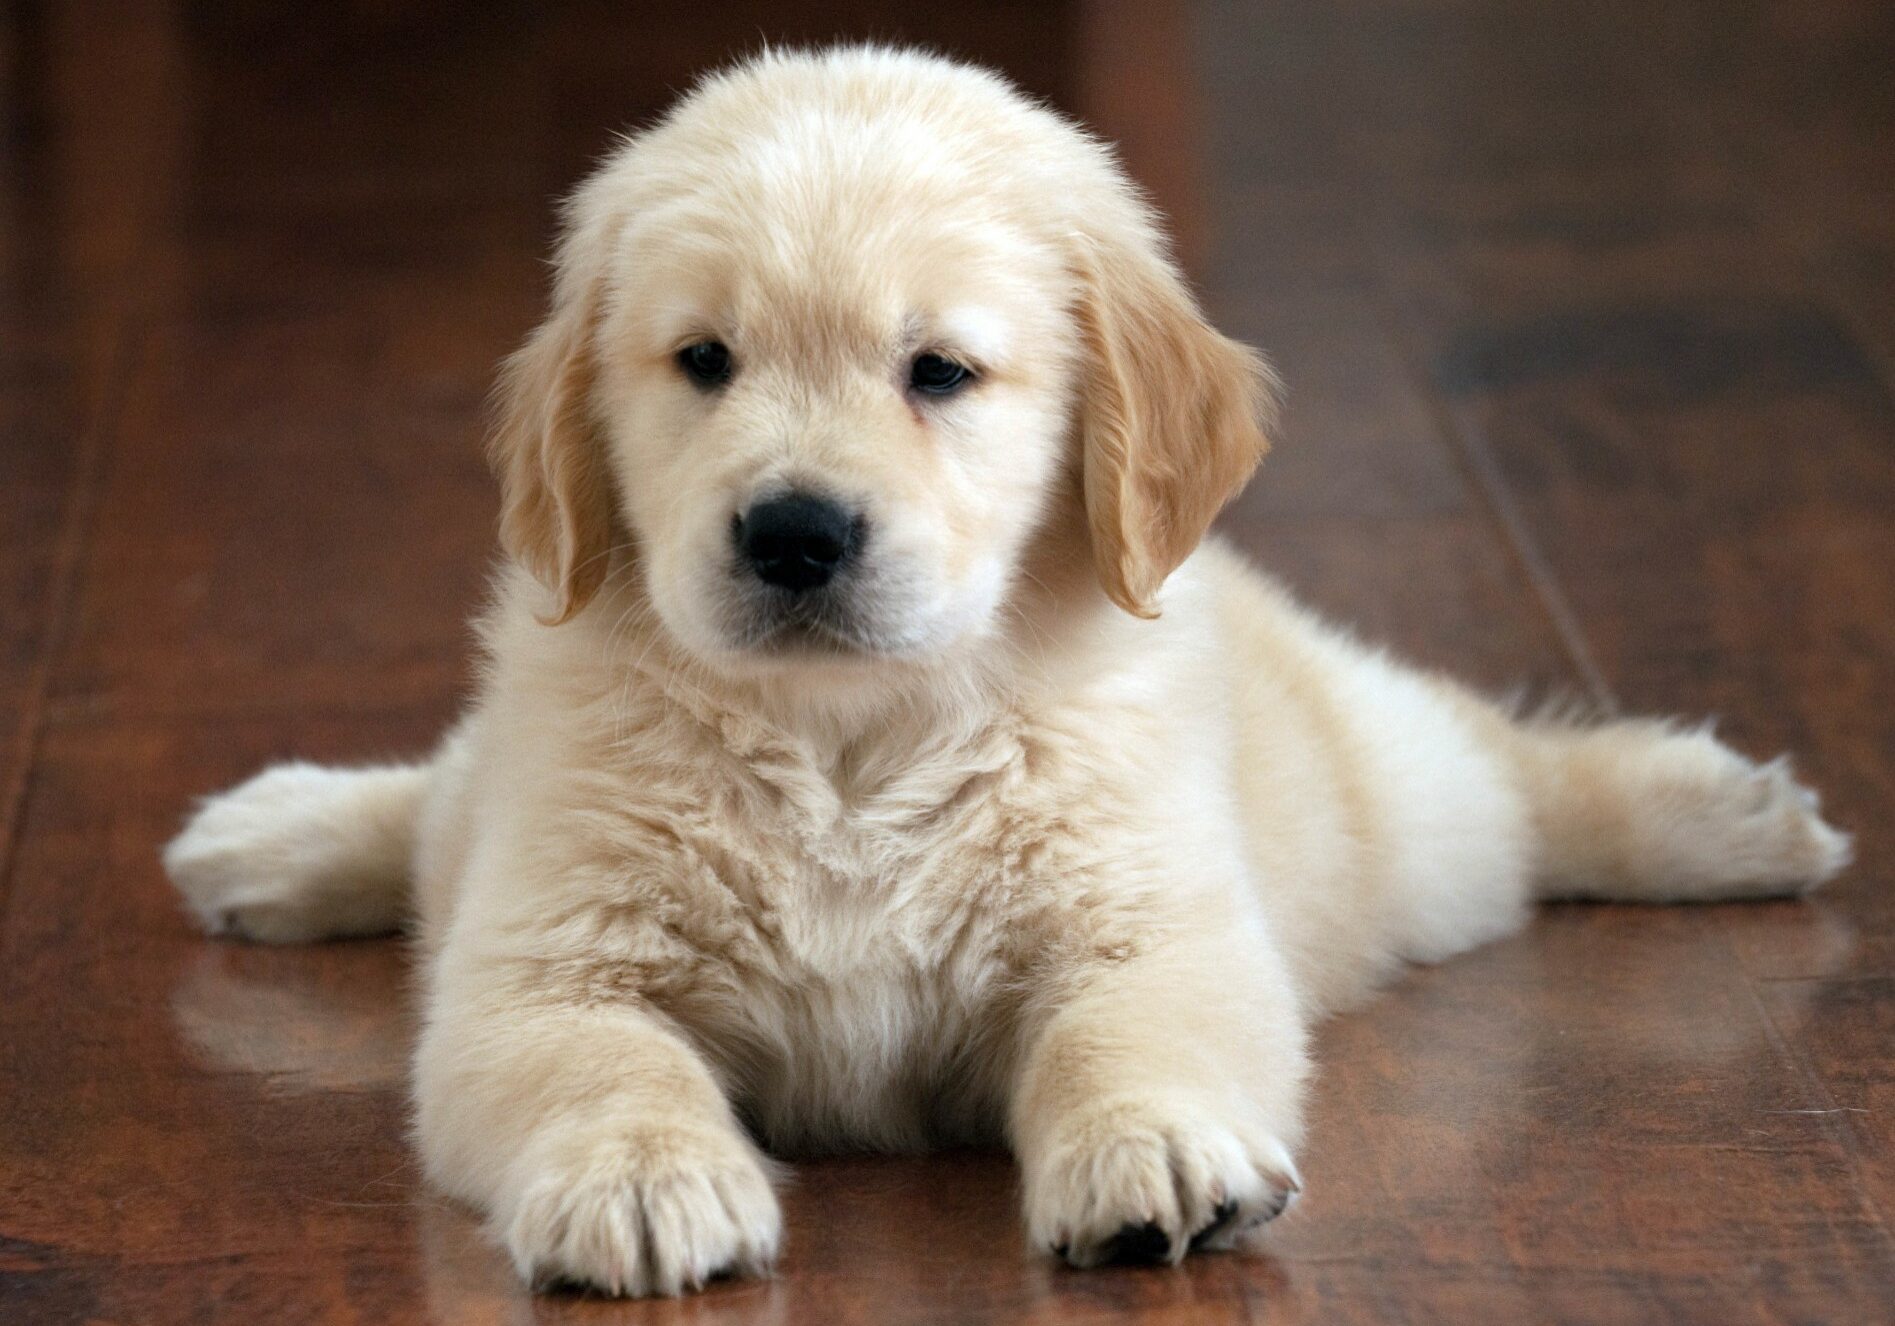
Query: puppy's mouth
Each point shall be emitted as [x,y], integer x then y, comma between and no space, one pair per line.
[819,623]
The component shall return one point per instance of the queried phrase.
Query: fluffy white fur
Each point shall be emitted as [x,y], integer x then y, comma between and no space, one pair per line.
[1038,852]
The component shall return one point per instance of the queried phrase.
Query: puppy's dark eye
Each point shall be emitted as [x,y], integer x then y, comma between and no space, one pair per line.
[706,363]
[937,375]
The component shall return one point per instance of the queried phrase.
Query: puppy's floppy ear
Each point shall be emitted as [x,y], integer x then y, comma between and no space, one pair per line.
[556,504]
[1171,418]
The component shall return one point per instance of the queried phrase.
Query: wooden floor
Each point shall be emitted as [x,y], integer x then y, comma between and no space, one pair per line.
[1588,315]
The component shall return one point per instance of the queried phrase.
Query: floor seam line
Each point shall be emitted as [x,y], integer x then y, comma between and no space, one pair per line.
[76,528]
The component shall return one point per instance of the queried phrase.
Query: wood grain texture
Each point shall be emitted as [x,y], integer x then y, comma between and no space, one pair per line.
[1588,316]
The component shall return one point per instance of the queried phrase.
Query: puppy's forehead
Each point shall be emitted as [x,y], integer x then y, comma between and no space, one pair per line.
[835,206]
[870,251]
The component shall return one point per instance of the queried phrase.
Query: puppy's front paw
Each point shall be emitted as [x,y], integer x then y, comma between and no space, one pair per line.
[1148,1180]
[652,1210]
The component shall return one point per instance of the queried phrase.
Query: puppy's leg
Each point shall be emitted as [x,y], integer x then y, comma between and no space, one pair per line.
[594,1136]
[1648,811]
[301,852]
[1159,1100]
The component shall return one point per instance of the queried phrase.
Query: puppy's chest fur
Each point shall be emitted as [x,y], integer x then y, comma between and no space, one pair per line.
[841,930]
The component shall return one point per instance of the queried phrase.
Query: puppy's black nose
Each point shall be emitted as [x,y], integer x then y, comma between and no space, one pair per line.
[796,542]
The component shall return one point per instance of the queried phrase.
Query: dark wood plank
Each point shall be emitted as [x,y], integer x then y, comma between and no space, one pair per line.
[1578,1125]
[1362,478]
[1842,1031]
[1802,101]
[311,380]
[299,453]
[73,217]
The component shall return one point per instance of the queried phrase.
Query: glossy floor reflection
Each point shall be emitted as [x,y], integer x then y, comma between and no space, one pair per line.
[1588,316]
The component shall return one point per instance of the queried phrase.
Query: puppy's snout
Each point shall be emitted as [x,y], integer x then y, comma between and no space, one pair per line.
[797,542]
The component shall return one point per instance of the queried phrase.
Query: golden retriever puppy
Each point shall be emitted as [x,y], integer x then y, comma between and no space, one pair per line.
[870,751]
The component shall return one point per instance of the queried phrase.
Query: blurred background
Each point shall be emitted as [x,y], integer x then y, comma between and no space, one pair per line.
[1587,313]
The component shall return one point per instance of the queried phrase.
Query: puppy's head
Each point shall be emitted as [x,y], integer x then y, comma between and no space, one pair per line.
[835,341]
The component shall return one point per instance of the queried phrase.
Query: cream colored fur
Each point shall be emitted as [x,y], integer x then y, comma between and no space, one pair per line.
[1070,849]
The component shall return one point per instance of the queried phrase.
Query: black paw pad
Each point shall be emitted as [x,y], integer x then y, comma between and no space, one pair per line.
[1220,1219]
[1138,1245]
[558,1283]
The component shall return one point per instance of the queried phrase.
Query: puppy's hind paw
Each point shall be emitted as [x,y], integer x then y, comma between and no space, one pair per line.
[301,853]
[1737,829]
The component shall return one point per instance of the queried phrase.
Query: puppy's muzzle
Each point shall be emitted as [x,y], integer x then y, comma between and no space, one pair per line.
[797,542]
